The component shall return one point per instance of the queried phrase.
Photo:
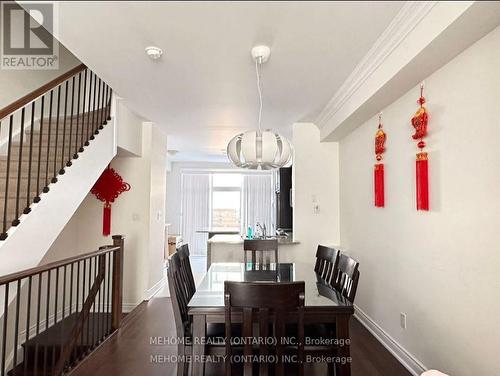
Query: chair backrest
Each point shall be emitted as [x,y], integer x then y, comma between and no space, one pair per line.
[265,303]
[179,295]
[260,246]
[327,260]
[186,270]
[346,278]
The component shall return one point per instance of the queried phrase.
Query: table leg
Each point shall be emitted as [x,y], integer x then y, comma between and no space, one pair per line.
[344,352]
[199,333]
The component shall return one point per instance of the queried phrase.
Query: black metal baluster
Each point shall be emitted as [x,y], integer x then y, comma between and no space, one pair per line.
[27,209]
[71,290]
[97,302]
[16,325]
[19,169]
[91,137]
[108,310]
[76,350]
[47,317]
[101,113]
[5,317]
[56,145]
[94,330]
[61,171]
[28,321]
[63,308]
[99,99]
[94,116]
[37,198]
[69,163]
[109,103]
[49,134]
[37,331]
[83,140]
[78,116]
[56,298]
[97,116]
[83,301]
[105,104]
[89,318]
[3,236]
[102,318]
[103,294]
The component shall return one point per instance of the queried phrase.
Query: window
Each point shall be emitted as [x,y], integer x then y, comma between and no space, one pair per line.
[226,200]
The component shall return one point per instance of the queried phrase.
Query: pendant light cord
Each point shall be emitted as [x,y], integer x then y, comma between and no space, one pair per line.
[259,89]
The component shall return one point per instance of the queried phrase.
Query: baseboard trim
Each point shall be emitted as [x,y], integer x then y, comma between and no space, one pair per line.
[129,307]
[155,289]
[409,361]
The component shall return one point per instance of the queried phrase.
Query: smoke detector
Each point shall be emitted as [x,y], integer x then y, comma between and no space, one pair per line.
[153,52]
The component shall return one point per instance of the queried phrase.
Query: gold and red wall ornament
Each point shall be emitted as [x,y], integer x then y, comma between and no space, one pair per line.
[378,173]
[107,188]
[419,122]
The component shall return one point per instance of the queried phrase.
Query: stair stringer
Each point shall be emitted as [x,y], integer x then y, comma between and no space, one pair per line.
[28,242]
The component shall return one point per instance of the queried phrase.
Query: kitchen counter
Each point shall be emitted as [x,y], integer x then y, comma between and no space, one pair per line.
[237,239]
[229,248]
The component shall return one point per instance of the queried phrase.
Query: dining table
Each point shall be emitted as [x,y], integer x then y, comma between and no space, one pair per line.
[323,304]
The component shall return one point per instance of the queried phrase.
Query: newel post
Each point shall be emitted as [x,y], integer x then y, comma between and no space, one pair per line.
[117,303]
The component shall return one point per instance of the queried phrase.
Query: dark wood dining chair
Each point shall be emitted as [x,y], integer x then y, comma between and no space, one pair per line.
[264,303]
[327,260]
[180,295]
[346,278]
[260,247]
[186,270]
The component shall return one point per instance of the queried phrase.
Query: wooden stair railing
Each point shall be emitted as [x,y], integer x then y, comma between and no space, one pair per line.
[60,312]
[42,132]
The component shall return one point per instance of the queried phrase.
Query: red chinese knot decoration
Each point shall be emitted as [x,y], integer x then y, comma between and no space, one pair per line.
[419,122]
[107,188]
[378,175]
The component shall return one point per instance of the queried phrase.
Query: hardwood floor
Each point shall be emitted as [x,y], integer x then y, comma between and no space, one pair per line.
[131,353]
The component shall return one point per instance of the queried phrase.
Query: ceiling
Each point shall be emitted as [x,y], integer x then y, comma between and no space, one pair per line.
[203,90]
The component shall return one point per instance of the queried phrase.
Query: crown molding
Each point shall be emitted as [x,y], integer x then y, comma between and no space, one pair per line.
[410,15]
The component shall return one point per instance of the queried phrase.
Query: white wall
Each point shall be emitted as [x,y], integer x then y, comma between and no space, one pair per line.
[158,170]
[174,191]
[22,82]
[439,267]
[27,243]
[137,214]
[316,182]
[129,130]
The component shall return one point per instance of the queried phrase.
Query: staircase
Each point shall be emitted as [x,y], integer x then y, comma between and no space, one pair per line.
[68,307]
[45,131]
[54,144]
[42,352]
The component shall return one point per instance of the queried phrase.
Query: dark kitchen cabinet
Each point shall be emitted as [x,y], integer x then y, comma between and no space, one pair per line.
[284,209]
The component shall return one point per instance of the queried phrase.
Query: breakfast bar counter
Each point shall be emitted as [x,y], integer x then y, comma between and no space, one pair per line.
[229,248]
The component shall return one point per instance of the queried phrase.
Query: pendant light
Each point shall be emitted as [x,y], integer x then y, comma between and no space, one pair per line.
[259,150]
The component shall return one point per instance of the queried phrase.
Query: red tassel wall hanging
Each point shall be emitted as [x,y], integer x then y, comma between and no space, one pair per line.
[419,122]
[107,188]
[378,173]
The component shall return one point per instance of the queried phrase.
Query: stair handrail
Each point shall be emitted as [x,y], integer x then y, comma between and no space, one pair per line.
[101,289]
[35,94]
[9,278]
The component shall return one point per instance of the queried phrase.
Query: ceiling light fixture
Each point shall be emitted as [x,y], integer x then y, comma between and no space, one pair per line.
[154,52]
[259,150]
